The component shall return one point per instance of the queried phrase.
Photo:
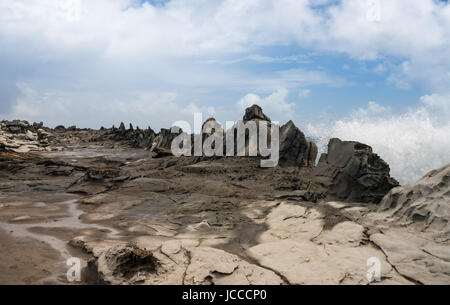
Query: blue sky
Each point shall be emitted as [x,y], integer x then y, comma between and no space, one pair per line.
[349,68]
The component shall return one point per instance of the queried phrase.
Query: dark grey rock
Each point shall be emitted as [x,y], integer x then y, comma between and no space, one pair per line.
[295,149]
[350,171]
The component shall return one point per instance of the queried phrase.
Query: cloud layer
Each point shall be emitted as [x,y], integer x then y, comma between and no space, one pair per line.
[107,61]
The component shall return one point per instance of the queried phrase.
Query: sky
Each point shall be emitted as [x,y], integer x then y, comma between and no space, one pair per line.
[375,71]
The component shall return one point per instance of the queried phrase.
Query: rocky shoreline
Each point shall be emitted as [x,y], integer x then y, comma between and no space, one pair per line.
[142,216]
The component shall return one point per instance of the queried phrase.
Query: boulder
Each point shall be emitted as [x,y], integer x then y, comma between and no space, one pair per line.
[255,112]
[256,115]
[60,128]
[18,136]
[295,149]
[122,264]
[350,171]
[15,127]
[162,143]
[45,137]
[122,126]
[209,127]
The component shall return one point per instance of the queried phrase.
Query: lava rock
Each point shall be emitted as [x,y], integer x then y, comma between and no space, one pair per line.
[295,149]
[255,112]
[352,172]
[163,141]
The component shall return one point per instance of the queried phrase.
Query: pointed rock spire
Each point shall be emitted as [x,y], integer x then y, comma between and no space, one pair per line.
[255,112]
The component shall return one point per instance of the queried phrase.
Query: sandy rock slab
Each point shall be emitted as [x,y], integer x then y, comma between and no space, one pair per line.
[214,266]
[172,263]
[307,263]
[416,258]
[291,221]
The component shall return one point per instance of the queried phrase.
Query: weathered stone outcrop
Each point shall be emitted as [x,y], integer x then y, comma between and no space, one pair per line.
[162,143]
[350,171]
[425,202]
[21,137]
[136,138]
[255,113]
[295,149]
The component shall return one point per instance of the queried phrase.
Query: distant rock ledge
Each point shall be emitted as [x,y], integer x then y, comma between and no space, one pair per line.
[350,171]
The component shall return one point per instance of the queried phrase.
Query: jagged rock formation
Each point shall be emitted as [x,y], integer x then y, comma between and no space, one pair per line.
[162,143]
[148,220]
[350,171]
[295,150]
[21,137]
[255,113]
[425,202]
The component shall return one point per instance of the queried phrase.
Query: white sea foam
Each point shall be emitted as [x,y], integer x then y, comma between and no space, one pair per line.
[412,143]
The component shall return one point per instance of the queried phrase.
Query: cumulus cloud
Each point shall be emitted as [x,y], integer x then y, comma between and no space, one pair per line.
[144,109]
[151,64]
[179,29]
[413,143]
[275,104]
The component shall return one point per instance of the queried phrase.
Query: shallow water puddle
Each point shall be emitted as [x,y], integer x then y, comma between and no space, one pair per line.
[71,222]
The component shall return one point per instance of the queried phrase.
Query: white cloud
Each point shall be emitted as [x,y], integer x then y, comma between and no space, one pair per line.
[157,109]
[153,64]
[373,109]
[149,34]
[273,105]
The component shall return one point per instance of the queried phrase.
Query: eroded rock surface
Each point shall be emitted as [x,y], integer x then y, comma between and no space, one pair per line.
[425,202]
[174,264]
[295,149]
[350,171]
[200,220]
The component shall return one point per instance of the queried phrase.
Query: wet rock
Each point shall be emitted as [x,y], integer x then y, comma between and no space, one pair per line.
[352,172]
[295,149]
